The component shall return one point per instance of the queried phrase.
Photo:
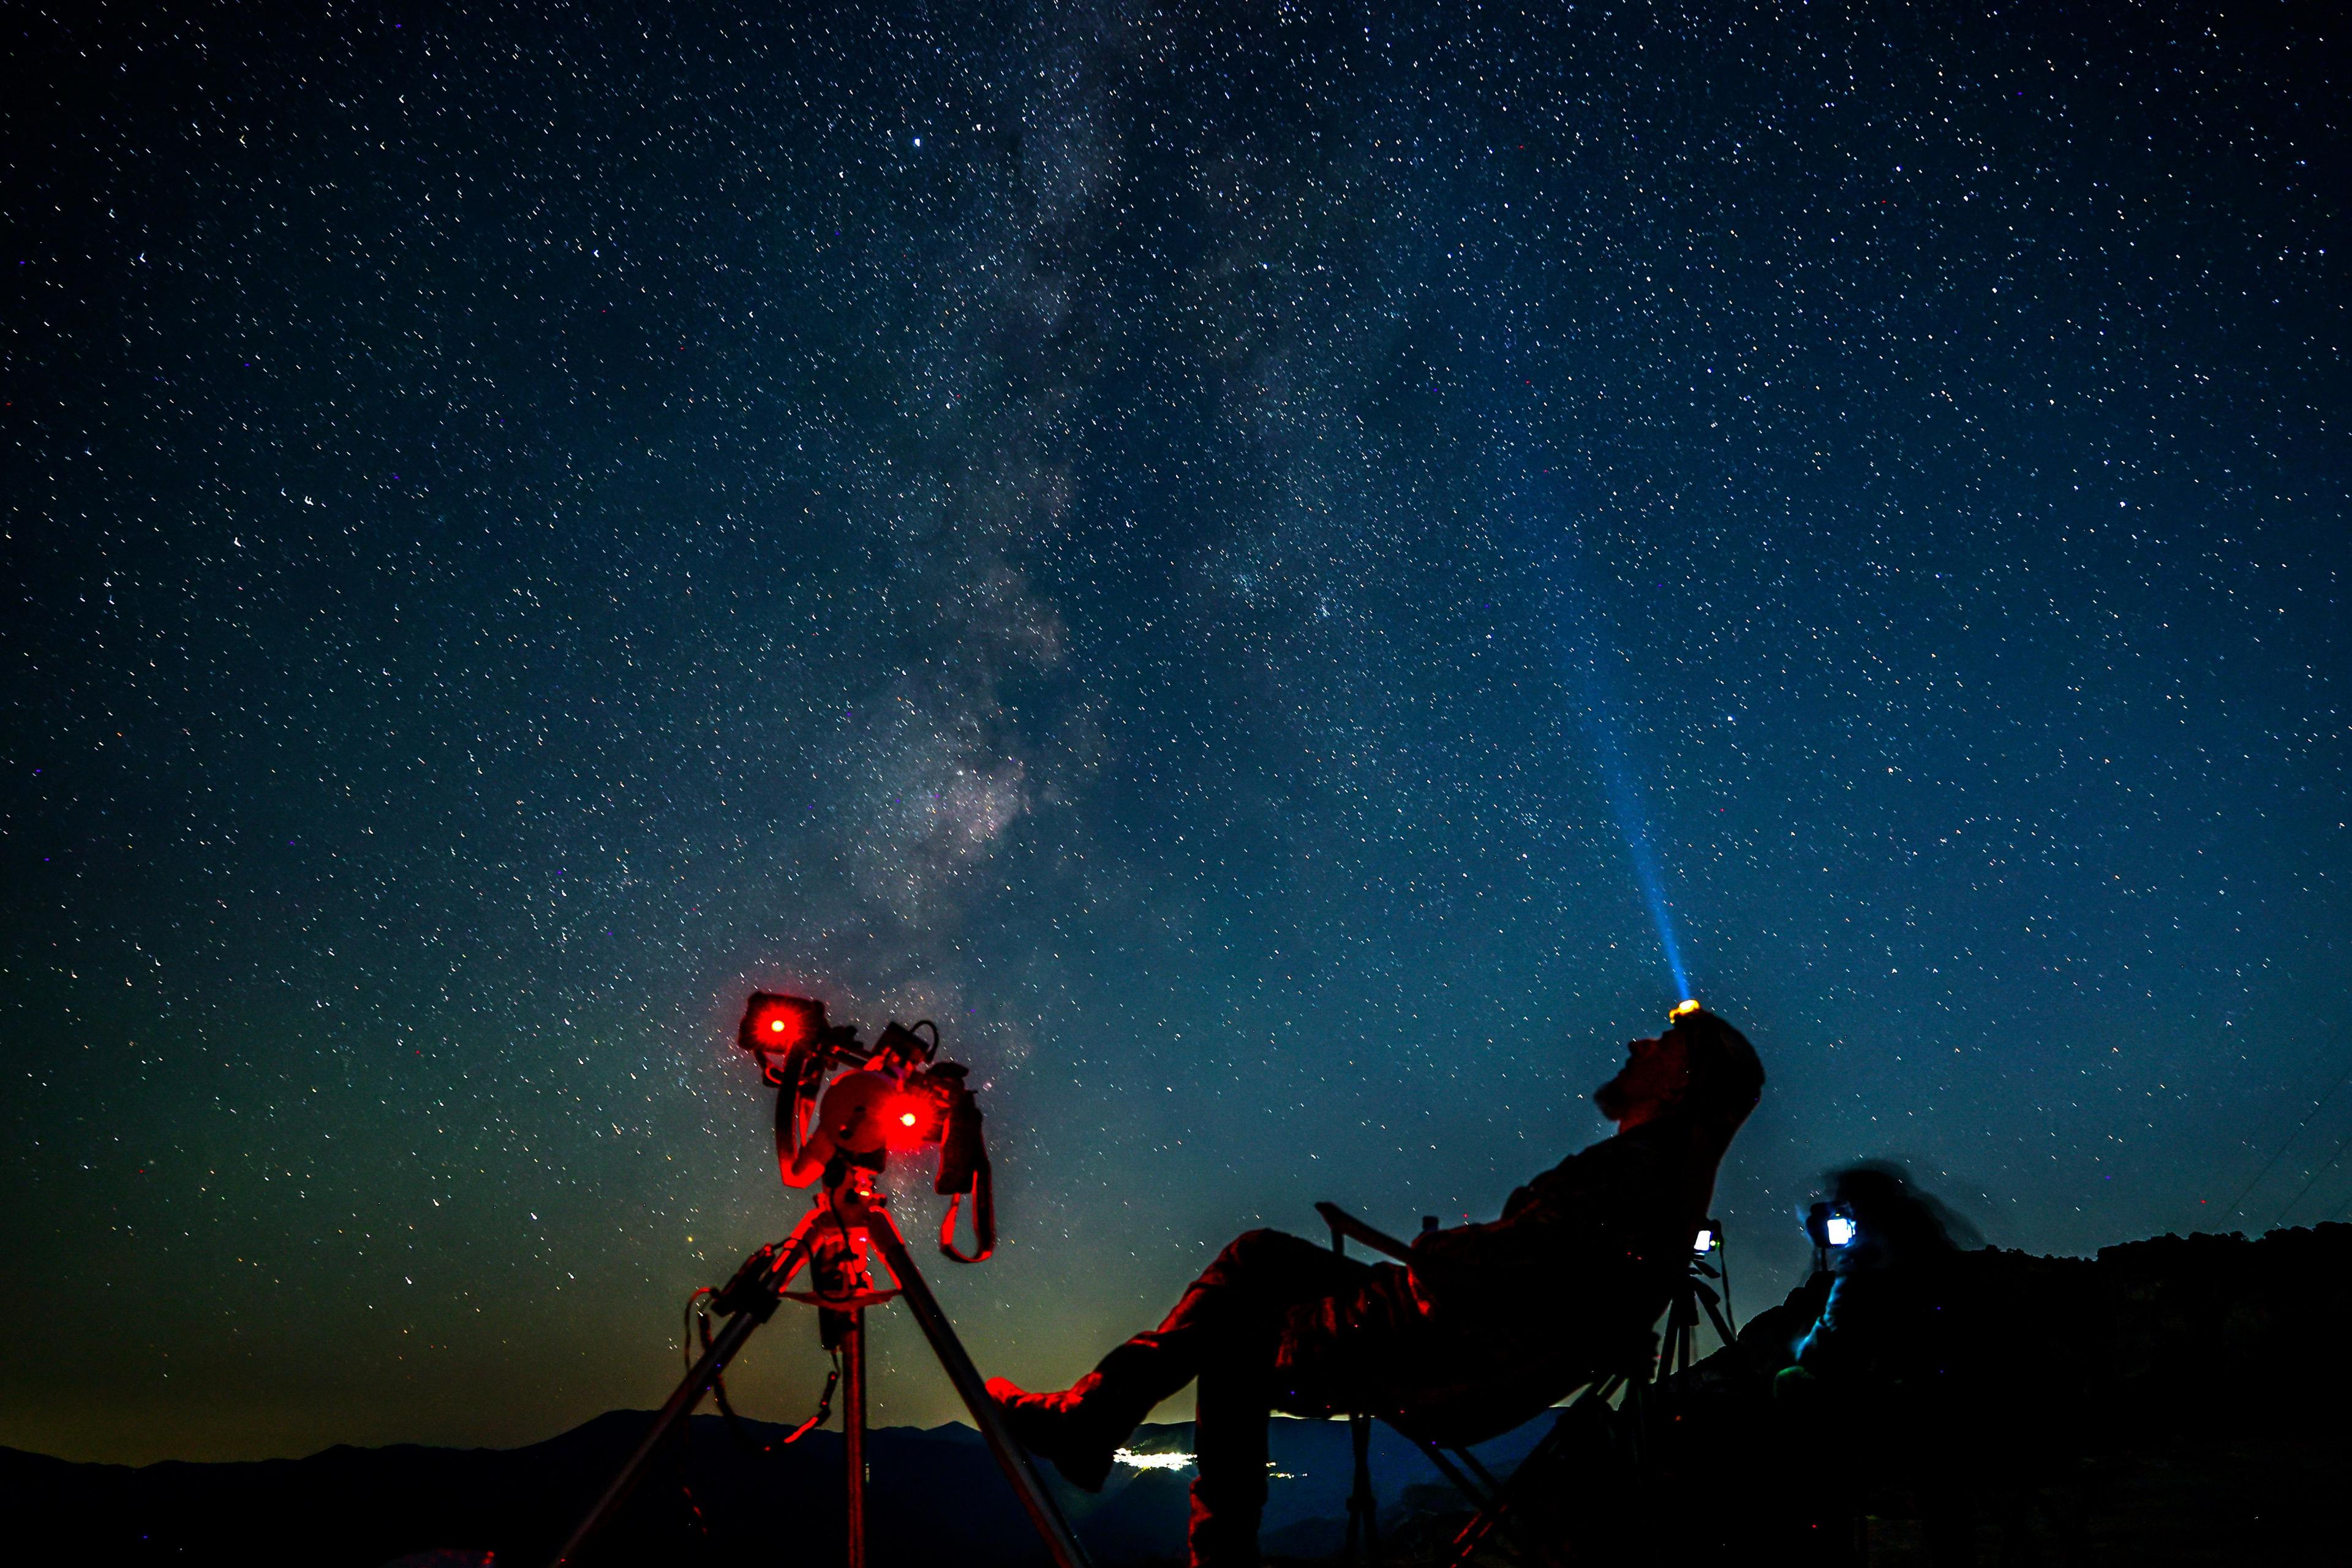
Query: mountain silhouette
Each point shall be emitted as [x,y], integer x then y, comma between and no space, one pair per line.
[933,1495]
[2172,1401]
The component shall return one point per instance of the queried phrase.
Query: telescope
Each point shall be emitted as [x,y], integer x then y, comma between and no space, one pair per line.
[843,1108]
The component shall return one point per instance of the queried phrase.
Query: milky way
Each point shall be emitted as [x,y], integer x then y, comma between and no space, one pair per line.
[1175,544]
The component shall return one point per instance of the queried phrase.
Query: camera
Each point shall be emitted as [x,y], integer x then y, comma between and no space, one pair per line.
[843,1106]
[1830,1225]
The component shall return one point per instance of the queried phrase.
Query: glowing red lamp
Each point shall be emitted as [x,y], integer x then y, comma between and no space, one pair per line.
[773,1024]
[911,1122]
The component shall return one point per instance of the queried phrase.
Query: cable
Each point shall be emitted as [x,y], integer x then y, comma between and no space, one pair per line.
[2317,1108]
[2343,1143]
[686,1339]
[741,1432]
[698,1325]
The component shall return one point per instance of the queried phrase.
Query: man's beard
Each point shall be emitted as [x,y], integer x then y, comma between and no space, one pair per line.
[1616,1100]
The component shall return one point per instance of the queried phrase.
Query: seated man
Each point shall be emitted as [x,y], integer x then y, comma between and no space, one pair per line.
[1485,1327]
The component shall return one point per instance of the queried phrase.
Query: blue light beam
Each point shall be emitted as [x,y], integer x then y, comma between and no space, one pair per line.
[1577,642]
[1633,822]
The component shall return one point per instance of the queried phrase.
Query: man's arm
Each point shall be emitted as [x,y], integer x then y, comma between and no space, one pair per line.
[1577,1215]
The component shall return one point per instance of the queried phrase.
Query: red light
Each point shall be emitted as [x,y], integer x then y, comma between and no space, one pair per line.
[907,1122]
[780,1024]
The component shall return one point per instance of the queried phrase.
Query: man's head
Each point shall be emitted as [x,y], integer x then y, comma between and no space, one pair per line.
[1702,1063]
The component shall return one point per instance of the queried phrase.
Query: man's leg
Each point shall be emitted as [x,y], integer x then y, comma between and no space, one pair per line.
[1231,1317]
[1263,1275]
[1231,1402]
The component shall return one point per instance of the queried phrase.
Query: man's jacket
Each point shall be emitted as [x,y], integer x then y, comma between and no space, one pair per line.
[1493,1322]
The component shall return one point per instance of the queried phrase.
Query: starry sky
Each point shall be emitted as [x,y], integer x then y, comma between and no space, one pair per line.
[1259,563]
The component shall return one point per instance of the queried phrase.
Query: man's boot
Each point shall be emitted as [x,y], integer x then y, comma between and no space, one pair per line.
[1232,1312]
[1080,1428]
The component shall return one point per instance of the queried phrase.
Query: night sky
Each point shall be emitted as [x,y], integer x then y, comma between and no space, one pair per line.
[1258,564]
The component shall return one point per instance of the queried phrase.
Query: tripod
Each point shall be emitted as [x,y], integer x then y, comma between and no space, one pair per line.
[848,1214]
[1693,1293]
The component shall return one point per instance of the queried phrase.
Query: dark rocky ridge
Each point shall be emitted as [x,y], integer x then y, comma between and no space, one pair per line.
[2175,1400]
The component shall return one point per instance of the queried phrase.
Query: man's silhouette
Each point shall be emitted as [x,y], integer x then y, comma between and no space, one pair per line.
[1487,1326]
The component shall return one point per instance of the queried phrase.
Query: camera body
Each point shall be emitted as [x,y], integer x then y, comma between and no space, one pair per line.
[1830,1225]
[867,1113]
[843,1106]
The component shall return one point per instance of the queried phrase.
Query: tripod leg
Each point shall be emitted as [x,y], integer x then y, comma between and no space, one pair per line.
[1682,1323]
[1011,1457]
[853,1428]
[681,1402]
[1722,1324]
[690,1392]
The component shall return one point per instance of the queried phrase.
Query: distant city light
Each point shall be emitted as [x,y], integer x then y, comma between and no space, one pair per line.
[1129,1457]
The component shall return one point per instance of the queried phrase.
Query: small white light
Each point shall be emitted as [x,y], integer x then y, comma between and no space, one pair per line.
[1840,1229]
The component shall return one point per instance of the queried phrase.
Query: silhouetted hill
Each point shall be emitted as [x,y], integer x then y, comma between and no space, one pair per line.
[2171,1401]
[934,1495]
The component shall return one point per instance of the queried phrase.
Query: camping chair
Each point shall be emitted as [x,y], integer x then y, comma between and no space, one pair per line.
[1495,1503]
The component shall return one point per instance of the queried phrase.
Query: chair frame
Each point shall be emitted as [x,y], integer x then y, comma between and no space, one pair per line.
[1492,1499]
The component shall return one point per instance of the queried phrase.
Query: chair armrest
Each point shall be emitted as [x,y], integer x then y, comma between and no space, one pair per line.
[1344,1224]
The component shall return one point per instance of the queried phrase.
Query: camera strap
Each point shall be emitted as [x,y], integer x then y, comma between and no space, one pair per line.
[984,1217]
